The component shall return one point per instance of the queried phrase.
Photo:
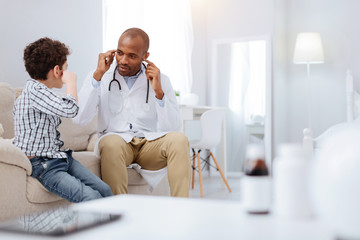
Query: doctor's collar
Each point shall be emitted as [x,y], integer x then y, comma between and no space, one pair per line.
[136,75]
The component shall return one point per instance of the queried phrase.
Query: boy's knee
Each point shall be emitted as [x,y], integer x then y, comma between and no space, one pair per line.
[106,192]
[92,195]
[86,194]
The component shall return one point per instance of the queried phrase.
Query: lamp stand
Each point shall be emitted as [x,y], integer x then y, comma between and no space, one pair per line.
[310,95]
[307,132]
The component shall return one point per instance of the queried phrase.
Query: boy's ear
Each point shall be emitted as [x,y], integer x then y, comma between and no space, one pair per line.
[57,71]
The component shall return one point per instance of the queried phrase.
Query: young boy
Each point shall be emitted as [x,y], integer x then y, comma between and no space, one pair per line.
[37,114]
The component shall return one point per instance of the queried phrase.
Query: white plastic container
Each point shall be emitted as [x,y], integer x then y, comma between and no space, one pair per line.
[256,186]
[291,170]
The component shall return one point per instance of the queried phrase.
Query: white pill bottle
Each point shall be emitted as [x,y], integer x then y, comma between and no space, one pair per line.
[291,174]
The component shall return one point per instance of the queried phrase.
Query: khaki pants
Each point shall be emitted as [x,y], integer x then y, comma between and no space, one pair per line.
[171,150]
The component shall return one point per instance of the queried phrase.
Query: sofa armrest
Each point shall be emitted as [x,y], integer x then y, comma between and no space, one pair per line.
[12,155]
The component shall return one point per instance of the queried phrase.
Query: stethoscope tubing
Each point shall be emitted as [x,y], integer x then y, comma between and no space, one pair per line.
[115,80]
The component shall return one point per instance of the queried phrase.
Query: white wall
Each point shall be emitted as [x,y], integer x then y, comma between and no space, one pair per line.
[76,23]
[337,22]
[280,91]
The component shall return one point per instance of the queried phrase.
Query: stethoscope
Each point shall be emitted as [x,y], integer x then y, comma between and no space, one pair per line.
[115,80]
[145,106]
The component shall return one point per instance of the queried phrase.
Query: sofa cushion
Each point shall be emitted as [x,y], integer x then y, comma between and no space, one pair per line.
[92,142]
[76,137]
[7,98]
[89,160]
[37,193]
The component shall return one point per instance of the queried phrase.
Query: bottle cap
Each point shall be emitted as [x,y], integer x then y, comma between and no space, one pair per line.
[291,149]
[255,151]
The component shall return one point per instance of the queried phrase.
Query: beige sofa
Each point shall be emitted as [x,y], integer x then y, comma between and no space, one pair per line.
[22,194]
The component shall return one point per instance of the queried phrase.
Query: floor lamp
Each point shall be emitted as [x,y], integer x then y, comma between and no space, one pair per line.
[308,50]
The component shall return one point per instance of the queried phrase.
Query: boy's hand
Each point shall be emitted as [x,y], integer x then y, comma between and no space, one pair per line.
[68,77]
[104,62]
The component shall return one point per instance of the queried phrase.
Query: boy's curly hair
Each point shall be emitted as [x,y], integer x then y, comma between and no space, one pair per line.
[43,55]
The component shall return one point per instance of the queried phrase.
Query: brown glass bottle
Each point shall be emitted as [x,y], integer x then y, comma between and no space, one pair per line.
[256,188]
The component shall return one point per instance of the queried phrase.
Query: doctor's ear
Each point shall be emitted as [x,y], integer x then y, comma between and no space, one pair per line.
[146,56]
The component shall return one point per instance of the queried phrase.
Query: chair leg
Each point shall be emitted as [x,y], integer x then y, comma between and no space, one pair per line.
[221,173]
[200,176]
[193,171]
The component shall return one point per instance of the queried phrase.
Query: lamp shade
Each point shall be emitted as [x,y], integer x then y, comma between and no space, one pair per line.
[308,48]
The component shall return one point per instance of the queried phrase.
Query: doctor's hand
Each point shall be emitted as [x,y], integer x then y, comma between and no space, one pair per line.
[153,74]
[104,63]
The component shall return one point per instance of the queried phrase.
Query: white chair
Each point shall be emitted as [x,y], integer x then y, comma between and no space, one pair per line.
[211,125]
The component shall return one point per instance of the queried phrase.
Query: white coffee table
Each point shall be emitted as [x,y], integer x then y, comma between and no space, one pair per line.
[146,217]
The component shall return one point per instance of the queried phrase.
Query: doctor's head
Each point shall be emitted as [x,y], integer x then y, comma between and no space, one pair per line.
[133,46]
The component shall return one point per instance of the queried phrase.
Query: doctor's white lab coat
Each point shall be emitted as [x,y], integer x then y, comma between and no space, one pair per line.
[134,119]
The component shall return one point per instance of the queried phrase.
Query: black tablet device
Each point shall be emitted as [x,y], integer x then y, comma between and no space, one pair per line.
[57,222]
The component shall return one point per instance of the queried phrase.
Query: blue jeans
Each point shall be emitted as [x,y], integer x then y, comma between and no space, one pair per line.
[68,179]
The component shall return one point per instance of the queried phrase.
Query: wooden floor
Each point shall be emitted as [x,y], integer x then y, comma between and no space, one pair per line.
[214,189]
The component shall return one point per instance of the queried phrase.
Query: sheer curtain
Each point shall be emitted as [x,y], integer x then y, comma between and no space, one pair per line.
[169,26]
[239,82]
[254,104]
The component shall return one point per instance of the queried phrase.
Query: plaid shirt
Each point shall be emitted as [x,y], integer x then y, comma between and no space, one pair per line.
[37,113]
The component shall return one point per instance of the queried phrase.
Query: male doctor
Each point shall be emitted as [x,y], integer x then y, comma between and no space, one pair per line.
[138,116]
